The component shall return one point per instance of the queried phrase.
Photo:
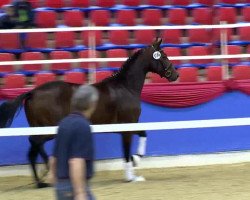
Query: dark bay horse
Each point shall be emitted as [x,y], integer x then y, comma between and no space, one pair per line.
[119,102]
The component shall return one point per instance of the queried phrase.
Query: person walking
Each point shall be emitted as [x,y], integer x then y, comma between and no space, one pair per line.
[71,164]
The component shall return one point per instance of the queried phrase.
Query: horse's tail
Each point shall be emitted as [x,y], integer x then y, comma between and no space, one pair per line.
[9,109]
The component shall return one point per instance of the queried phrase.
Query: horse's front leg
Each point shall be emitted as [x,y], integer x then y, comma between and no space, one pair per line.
[130,175]
[141,150]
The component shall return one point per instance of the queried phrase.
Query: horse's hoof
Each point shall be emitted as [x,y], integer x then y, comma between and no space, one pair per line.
[135,160]
[137,179]
[43,185]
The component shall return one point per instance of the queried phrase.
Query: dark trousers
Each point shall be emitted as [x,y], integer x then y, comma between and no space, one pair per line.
[64,191]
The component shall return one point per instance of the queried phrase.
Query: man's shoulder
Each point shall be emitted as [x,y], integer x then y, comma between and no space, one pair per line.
[75,120]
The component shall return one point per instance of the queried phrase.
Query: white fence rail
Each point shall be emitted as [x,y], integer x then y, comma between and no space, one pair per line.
[78,60]
[172,125]
[109,28]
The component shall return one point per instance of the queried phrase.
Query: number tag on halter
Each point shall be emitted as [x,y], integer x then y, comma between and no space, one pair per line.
[157,55]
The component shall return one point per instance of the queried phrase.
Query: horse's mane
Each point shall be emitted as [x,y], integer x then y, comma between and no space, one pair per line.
[125,66]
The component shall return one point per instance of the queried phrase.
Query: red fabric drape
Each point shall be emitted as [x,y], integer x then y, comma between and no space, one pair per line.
[190,94]
[176,95]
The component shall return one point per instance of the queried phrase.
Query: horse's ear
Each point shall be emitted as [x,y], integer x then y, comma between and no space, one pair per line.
[157,43]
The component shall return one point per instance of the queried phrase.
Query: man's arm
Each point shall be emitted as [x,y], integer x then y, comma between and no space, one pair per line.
[77,169]
[52,170]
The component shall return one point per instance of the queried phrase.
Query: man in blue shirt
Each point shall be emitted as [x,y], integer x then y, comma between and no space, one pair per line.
[72,160]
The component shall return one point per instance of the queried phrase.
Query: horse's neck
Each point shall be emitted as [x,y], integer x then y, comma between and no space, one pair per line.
[135,75]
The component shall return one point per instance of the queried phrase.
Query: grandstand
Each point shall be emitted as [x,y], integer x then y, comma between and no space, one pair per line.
[177,42]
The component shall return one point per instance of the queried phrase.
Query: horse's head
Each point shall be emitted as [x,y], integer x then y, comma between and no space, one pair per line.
[160,63]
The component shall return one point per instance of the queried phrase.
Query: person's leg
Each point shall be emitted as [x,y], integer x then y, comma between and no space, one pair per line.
[64,190]
[90,195]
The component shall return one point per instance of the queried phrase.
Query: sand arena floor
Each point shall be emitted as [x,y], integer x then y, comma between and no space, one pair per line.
[219,182]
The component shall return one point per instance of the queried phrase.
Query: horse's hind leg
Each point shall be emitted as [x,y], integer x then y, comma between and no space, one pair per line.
[129,168]
[32,155]
[44,155]
[141,150]
[45,158]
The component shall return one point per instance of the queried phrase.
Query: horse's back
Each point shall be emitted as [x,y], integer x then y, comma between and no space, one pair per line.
[116,104]
[49,103]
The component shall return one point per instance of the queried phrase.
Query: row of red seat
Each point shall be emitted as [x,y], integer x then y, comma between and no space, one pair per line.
[19,80]
[188,74]
[110,3]
[69,39]
[177,16]
[112,53]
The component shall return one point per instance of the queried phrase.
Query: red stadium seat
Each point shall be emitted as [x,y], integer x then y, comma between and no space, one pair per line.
[14,81]
[116,53]
[75,77]
[188,74]
[180,2]
[245,12]
[42,78]
[74,18]
[126,17]
[45,19]
[35,3]
[149,20]
[100,17]
[9,41]
[101,75]
[207,2]
[80,3]
[32,56]
[214,73]
[234,49]
[155,78]
[229,1]
[198,51]
[105,3]
[119,37]
[64,39]
[241,72]
[131,2]
[97,37]
[54,3]
[227,14]
[202,15]
[60,55]
[36,40]
[199,35]
[172,36]
[87,54]
[217,32]
[6,57]
[177,16]
[5,2]
[173,51]
[243,33]
[156,2]
[144,36]
[248,49]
